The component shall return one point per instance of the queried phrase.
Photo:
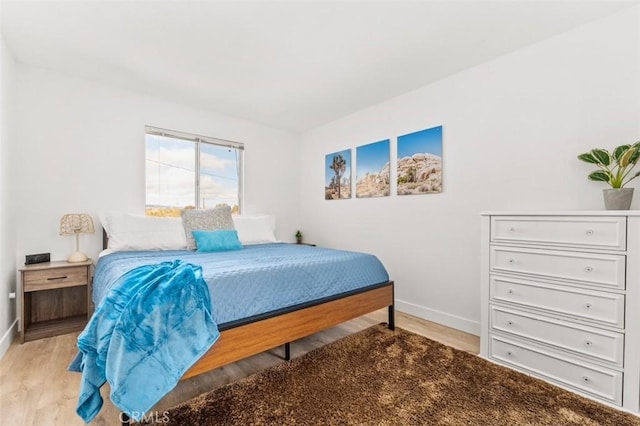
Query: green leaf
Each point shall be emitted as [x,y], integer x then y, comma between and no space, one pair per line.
[625,159]
[619,151]
[602,155]
[600,175]
[587,157]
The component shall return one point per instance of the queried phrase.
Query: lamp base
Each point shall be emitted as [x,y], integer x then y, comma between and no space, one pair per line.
[77,257]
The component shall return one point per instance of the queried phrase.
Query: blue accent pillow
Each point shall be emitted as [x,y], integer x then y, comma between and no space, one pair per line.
[219,240]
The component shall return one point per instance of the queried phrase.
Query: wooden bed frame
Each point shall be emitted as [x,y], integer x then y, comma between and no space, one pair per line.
[253,335]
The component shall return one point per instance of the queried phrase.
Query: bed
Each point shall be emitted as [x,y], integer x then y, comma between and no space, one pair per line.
[321,287]
[278,322]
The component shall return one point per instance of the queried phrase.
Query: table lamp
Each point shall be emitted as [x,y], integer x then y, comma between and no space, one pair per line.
[76,224]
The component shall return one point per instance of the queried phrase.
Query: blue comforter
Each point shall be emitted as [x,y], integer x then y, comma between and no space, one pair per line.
[259,278]
[154,323]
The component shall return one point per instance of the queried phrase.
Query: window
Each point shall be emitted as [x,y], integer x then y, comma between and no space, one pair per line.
[185,171]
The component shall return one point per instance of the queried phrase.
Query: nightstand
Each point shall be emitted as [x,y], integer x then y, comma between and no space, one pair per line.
[55,298]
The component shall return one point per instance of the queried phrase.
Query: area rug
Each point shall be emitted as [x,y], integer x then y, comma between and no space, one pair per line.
[384,377]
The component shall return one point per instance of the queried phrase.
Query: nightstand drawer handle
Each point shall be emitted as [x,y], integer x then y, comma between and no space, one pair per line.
[509,322]
[56,278]
[588,305]
[512,229]
[509,353]
[512,261]
[588,269]
[586,379]
[588,342]
[510,291]
[590,232]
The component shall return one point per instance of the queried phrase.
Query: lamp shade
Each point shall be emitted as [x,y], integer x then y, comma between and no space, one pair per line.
[76,224]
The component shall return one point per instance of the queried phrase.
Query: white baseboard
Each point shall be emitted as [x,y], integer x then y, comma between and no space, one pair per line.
[8,337]
[453,321]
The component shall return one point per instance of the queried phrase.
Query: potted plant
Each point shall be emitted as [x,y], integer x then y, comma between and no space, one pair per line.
[615,169]
[298,237]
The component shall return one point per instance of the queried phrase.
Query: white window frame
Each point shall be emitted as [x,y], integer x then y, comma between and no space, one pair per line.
[199,139]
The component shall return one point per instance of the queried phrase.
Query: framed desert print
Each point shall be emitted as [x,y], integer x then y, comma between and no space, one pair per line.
[373,174]
[337,184]
[419,163]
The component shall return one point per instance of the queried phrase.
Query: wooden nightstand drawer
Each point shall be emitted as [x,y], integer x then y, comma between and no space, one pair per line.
[45,279]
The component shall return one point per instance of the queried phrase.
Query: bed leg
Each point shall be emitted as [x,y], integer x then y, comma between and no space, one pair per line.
[124,419]
[287,351]
[392,318]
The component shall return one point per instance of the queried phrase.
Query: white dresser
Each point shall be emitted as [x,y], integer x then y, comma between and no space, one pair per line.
[561,299]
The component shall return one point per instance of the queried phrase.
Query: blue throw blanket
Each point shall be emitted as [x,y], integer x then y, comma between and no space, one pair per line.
[152,326]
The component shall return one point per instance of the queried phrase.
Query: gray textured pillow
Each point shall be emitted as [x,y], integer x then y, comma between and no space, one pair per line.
[205,220]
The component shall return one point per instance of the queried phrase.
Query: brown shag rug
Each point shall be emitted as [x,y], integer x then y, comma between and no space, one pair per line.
[383,377]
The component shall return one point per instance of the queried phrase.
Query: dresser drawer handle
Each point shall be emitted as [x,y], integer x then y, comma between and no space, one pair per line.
[588,269]
[590,232]
[586,379]
[588,306]
[588,342]
[509,322]
[509,353]
[512,229]
[56,278]
[510,291]
[512,261]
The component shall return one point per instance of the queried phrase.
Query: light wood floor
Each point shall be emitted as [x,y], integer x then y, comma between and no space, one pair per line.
[37,389]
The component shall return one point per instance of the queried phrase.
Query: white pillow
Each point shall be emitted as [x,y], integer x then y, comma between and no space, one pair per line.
[255,229]
[128,232]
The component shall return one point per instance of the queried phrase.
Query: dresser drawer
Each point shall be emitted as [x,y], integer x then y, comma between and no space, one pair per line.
[597,381]
[586,268]
[45,279]
[595,306]
[599,344]
[592,232]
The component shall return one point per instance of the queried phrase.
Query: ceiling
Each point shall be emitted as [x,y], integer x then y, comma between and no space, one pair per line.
[290,65]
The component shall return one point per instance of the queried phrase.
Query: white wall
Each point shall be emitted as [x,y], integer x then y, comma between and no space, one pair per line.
[81,149]
[512,130]
[8,325]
